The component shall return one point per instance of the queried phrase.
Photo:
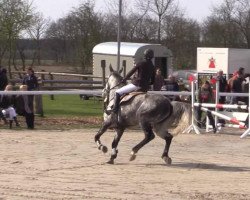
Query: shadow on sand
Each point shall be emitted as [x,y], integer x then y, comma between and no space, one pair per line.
[193,166]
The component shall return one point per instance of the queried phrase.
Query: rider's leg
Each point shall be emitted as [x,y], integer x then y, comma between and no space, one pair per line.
[118,93]
[116,102]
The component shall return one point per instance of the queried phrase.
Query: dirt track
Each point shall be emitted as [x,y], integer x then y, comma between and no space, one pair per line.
[67,165]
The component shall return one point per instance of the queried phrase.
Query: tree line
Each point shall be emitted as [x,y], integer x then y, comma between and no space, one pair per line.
[27,38]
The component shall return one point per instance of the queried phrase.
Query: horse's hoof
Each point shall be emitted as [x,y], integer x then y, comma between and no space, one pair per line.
[111,162]
[104,149]
[132,157]
[167,160]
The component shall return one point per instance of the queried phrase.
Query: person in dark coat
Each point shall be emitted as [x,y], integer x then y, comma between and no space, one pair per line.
[144,77]
[30,80]
[222,85]
[24,107]
[172,85]
[3,79]
[159,80]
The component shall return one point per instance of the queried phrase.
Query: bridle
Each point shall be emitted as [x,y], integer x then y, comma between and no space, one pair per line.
[107,91]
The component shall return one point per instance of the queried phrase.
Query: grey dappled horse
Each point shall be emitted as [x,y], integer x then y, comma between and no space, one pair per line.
[153,112]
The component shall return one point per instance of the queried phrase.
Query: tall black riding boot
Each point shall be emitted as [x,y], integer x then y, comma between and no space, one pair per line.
[115,106]
[116,103]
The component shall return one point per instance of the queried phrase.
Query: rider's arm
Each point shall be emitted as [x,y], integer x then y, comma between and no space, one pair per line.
[131,72]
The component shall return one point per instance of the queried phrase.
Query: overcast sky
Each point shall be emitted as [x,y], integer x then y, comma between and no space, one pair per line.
[197,9]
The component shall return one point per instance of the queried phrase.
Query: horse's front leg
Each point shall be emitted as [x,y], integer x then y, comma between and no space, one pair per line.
[165,156]
[102,130]
[119,133]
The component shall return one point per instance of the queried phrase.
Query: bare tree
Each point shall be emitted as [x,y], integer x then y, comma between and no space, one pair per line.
[159,8]
[236,14]
[182,36]
[36,32]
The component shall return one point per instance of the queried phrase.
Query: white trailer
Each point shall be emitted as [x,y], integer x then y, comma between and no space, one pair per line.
[130,53]
[211,60]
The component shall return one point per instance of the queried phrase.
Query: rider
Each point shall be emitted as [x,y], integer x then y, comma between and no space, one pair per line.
[141,81]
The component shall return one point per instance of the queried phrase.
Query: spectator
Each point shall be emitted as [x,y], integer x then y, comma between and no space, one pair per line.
[159,80]
[241,72]
[237,88]
[24,107]
[230,81]
[2,117]
[205,95]
[3,79]
[30,80]
[245,86]
[7,104]
[222,85]
[172,85]
[182,86]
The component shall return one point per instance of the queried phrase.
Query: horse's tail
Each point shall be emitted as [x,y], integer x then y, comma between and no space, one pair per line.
[177,122]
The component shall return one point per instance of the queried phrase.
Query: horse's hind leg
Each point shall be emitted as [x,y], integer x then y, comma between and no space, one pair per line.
[119,133]
[149,135]
[165,156]
[100,146]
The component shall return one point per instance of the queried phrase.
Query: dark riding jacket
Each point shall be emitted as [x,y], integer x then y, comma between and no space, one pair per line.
[31,82]
[145,75]
[7,101]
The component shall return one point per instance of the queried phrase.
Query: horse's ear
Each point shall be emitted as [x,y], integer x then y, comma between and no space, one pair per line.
[111,68]
[120,71]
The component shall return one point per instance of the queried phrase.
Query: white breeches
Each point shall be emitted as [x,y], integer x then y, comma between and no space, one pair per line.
[127,89]
[9,113]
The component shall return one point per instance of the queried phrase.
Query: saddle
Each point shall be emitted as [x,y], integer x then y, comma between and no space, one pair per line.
[130,96]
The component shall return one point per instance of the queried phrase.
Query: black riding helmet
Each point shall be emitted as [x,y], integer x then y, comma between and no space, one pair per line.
[148,54]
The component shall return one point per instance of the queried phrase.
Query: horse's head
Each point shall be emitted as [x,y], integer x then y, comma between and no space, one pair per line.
[112,84]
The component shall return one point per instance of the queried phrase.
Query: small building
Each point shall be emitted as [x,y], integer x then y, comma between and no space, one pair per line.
[105,54]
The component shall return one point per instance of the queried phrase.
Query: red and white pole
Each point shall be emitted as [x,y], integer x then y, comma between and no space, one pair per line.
[232,120]
[224,106]
[247,132]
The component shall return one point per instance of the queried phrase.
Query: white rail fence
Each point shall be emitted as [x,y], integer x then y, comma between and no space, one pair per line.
[193,103]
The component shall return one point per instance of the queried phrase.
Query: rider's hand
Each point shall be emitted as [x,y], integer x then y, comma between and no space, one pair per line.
[123,81]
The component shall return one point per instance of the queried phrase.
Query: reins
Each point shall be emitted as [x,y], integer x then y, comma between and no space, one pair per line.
[115,86]
[109,89]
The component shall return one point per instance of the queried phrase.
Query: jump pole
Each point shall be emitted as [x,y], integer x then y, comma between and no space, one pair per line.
[232,120]
[247,132]
[192,126]
[225,106]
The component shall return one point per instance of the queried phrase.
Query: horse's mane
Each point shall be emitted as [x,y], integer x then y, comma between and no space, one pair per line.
[116,75]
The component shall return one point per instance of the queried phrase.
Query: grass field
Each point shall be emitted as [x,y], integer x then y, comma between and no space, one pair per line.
[71,105]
